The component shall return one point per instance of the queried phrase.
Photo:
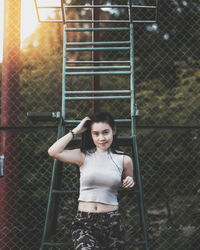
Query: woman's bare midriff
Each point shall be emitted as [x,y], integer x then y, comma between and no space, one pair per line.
[96,207]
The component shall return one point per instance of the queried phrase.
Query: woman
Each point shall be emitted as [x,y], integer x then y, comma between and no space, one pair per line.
[103,169]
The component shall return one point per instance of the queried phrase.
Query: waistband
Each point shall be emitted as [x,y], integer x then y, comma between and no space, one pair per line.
[97,215]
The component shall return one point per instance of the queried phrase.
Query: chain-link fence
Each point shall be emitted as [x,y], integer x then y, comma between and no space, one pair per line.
[167,84]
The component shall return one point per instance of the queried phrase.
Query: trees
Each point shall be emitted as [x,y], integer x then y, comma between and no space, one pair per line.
[167,86]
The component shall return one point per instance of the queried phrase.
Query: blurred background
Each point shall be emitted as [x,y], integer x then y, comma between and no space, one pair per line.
[167,93]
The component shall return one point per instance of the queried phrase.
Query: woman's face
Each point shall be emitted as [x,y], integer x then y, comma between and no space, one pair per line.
[102,135]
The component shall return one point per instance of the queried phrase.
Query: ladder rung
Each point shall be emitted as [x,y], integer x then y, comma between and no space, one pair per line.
[122,120]
[78,121]
[110,6]
[125,137]
[97,98]
[55,244]
[97,21]
[96,43]
[99,62]
[64,191]
[93,29]
[98,73]
[43,116]
[97,67]
[97,48]
[98,92]
[98,29]
[144,21]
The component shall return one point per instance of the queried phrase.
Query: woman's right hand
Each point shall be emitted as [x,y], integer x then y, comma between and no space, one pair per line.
[81,126]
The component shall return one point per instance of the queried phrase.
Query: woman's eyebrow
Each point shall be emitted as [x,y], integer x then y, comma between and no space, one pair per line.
[93,131]
[105,130]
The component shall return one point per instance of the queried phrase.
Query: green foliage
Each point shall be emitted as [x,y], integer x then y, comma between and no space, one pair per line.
[167,92]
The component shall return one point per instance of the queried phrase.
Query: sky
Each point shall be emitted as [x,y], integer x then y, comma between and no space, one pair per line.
[29,21]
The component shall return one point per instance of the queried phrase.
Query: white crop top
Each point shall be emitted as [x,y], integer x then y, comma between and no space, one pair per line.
[100,177]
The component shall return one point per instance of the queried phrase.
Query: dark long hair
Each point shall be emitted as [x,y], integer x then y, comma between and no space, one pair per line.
[87,144]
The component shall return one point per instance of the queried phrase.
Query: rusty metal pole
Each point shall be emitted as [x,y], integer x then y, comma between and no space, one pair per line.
[95,55]
[10,118]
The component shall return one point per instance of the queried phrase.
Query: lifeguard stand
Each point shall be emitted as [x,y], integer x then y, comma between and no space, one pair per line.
[95,68]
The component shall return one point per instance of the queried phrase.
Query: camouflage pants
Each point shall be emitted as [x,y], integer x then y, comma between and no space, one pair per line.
[92,231]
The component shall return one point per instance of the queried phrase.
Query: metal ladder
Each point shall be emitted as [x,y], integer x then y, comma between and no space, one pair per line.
[95,67]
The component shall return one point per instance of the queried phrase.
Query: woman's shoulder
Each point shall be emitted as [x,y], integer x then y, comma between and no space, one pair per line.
[118,156]
[127,160]
[87,156]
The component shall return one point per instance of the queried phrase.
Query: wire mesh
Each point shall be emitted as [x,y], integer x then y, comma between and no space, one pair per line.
[167,94]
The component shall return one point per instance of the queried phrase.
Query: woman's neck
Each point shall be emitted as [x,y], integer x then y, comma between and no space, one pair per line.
[99,150]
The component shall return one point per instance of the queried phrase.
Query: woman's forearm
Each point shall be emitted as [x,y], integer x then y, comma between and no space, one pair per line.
[59,146]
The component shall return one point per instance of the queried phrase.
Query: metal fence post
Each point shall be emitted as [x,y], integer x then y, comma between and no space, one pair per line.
[9,118]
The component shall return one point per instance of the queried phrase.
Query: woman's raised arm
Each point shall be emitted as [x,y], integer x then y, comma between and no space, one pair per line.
[58,151]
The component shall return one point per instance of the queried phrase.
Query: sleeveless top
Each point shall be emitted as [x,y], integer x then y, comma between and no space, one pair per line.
[100,177]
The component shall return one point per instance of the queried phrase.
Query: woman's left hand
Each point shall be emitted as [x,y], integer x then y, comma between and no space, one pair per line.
[128,182]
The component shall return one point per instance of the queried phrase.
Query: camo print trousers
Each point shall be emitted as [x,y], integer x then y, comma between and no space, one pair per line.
[102,231]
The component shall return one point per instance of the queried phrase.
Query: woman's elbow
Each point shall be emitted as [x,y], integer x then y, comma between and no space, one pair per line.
[51,153]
